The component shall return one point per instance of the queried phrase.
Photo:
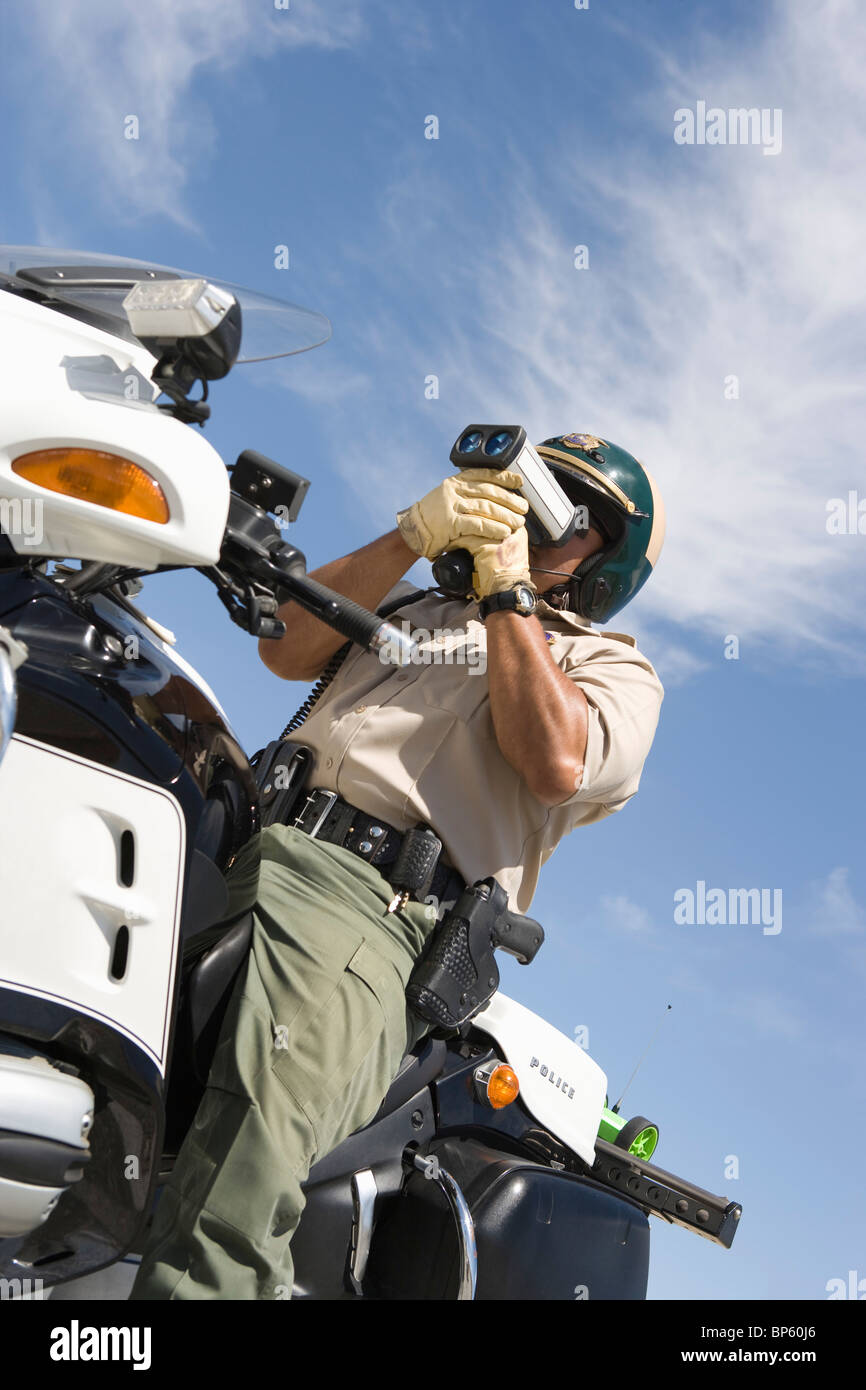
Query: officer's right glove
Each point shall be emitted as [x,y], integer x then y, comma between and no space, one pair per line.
[468,504]
[500,567]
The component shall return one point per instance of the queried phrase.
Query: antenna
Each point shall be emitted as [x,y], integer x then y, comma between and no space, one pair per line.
[615,1108]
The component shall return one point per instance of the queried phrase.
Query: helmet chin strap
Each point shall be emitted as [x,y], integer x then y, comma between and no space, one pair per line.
[566,596]
[562,596]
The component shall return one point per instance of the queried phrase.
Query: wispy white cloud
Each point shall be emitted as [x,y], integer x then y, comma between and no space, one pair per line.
[768,1012]
[102,61]
[705,263]
[622,914]
[764,1010]
[674,660]
[833,909]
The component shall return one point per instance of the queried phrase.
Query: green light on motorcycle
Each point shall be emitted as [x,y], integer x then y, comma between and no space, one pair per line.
[637,1136]
[645,1142]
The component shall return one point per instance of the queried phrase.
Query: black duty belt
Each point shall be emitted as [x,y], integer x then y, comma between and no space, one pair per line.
[324,815]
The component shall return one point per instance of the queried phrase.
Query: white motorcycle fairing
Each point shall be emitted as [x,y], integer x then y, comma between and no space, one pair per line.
[63,900]
[560,1084]
[68,384]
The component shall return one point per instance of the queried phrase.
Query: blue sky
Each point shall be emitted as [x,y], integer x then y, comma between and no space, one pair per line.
[455,257]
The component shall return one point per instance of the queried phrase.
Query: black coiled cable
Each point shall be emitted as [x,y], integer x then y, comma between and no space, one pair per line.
[317,691]
[336,662]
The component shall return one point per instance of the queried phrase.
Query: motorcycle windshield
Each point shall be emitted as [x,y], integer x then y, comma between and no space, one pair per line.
[93,287]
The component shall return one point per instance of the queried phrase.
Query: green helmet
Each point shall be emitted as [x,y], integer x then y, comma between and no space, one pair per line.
[624,503]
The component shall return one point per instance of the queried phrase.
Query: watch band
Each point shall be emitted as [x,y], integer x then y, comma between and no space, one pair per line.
[509,600]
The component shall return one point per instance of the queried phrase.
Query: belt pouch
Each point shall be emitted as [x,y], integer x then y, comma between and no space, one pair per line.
[281,772]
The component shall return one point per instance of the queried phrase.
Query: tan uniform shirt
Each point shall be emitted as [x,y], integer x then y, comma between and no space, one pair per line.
[418,743]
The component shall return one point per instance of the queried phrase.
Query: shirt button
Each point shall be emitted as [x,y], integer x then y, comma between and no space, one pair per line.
[359,709]
[329,762]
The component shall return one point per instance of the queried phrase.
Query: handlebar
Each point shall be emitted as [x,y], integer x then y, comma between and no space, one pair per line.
[349,618]
[257,571]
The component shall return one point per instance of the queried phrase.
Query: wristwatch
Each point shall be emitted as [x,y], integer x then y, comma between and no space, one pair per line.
[521,599]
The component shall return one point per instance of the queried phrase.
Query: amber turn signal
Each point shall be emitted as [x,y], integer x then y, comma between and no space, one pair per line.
[497,1086]
[91,475]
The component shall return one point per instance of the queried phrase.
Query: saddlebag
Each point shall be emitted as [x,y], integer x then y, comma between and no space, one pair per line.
[541,1233]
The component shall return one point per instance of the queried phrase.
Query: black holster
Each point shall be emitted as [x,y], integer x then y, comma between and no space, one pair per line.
[456,974]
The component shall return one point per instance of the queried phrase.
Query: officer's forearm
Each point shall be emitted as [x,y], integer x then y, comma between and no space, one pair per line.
[365,576]
[539,715]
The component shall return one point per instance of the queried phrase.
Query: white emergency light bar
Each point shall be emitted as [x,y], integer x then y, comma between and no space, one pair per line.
[176,308]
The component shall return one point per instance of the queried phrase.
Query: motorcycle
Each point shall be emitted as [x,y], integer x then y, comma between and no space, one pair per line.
[494,1168]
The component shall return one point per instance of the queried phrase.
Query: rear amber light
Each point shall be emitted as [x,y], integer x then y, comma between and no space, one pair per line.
[91,475]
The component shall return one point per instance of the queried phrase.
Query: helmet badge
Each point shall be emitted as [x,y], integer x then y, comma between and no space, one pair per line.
[584,441]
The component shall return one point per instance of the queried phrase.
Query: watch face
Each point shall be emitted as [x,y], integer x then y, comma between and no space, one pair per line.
[525,598]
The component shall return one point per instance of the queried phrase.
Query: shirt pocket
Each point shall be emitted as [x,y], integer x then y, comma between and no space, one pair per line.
[455,677]
[459,692]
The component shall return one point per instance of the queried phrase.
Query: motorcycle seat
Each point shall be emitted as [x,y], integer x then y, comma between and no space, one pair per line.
[208,988]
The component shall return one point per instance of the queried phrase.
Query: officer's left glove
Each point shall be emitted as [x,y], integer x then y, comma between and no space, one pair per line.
[498,565]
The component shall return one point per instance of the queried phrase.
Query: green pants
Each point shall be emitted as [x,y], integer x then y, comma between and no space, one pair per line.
[313,1037]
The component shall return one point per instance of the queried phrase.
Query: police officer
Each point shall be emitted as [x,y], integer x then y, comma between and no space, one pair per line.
[519,722]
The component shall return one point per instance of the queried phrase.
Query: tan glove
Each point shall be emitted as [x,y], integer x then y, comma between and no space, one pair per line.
[500,565]
[470,504]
